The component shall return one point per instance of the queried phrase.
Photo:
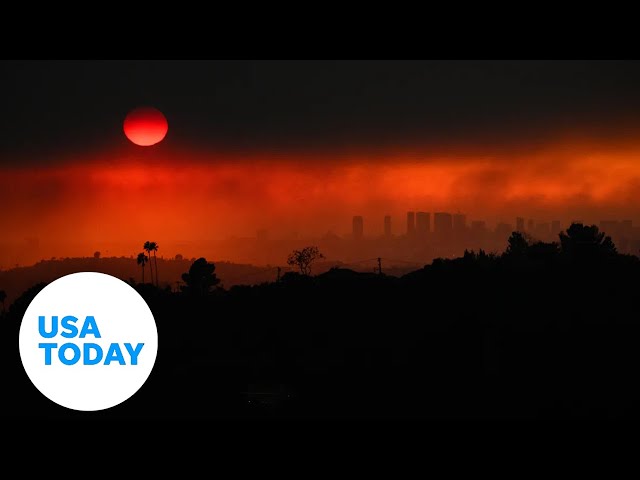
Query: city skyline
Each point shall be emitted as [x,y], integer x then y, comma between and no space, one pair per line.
[462,233]
[429,239]
[277,154]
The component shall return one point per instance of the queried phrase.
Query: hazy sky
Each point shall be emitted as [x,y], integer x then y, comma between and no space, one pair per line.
[56,106]
[303,146]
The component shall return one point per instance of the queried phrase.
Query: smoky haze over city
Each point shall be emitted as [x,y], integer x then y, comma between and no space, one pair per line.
[410,238]
[259,154]
[336,239]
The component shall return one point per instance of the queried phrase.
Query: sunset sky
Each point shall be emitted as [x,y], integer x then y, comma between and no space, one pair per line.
[303,146]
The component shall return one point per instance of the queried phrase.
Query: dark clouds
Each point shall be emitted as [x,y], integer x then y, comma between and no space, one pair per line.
[55,107]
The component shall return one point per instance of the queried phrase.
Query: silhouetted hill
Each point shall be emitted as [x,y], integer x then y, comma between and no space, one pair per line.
[17,280]
[540,331]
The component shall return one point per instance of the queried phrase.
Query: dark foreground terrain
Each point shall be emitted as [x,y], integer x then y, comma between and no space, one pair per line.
[541,331]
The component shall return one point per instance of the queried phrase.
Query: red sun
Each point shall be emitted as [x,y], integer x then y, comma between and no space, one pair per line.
[145,126]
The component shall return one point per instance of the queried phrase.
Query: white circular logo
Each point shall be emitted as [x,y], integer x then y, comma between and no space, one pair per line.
[88,341]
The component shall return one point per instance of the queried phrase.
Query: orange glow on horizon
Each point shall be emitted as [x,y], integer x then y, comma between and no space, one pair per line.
[186,196]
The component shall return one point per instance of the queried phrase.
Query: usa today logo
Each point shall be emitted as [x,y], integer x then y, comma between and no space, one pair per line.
[88,341]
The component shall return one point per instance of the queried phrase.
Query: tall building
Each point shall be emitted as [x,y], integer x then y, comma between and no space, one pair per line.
[478,232]
[460,227]
[387,226]
[478,226]
[626,228]
[520,224]
[543,230]
[503,230]
[625,234]
[358,227]
[459,222]
[610,227]
[442,224]
[411,223]
[423,223]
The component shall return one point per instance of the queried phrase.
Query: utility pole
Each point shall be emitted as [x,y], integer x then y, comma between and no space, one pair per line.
[379,265]
[278,275]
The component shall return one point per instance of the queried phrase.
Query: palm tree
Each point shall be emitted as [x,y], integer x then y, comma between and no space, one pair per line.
[142,260]
[3,297]
[153,246]
[147,248]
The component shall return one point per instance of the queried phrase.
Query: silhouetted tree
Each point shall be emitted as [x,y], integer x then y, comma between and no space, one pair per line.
[517,245]
[96,255]
[303,259]
[147,248]
[3,297]
[542,251]
[469,256]
[20,304]
[586,241]
[142,260]
[201,277]
[153,246]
